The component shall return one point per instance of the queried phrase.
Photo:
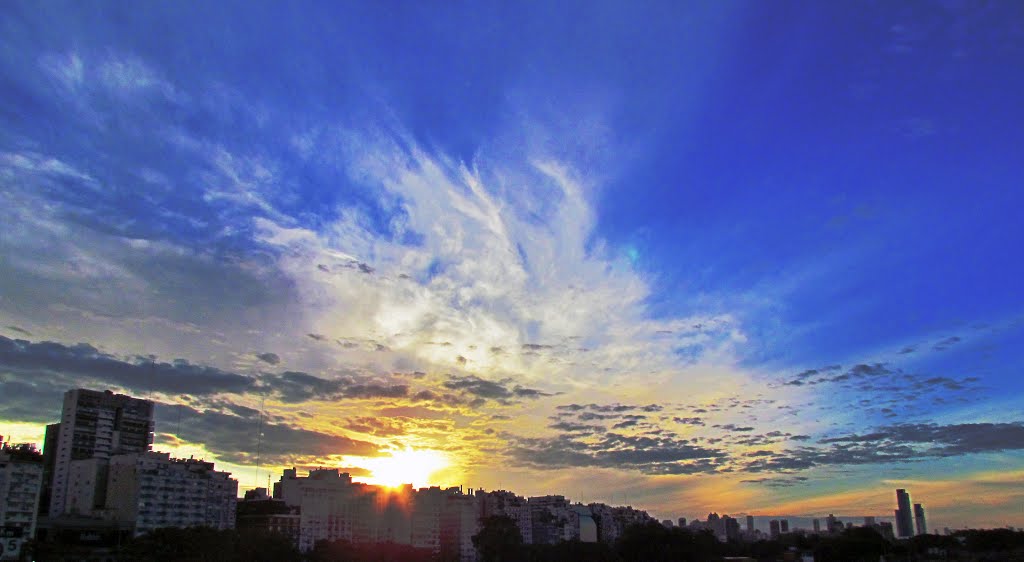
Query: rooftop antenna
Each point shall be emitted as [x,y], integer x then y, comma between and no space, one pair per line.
[259,440]
[177,432]
[152,378]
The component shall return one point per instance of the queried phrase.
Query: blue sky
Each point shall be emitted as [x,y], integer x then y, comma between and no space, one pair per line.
[517,209]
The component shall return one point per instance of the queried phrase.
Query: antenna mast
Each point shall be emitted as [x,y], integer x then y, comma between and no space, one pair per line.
[259,440]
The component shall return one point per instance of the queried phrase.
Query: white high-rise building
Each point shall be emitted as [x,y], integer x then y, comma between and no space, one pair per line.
[21,478]
[154,491]
[326,499]
[460,521]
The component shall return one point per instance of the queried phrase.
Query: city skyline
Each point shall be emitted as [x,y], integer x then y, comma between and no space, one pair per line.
[104,429]
[720,257]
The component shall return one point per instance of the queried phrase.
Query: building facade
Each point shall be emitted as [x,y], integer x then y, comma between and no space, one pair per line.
[94,425]
[152,490]
[21,478]
[260,514]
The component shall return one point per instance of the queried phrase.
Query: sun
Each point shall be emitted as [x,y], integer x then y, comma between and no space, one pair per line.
[409,466]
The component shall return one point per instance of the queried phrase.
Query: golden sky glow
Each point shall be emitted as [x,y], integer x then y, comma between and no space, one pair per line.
[408,466]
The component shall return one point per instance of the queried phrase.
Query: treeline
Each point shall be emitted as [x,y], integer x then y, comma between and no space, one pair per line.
[499,541]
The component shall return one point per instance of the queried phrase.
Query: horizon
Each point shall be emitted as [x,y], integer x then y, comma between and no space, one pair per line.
[722,257]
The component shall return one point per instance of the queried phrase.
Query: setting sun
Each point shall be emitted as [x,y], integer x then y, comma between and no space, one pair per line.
[407,466]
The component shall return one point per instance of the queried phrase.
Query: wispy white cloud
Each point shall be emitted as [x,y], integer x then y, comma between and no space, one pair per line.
[67,69]
[488,286]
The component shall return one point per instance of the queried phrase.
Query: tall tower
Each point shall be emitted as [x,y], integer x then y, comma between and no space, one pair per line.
[904,518]
[750,524]
[922,527]
[93,426]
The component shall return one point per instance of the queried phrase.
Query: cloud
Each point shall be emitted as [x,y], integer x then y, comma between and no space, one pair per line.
[499,391]
[649,454]
[688,421]
[457,257]
[296,387]
[271,358]
[83,362]
[233,438]
[946,343]
[780,482]
[29,400]
[897,443]
[570,427]
[734,427]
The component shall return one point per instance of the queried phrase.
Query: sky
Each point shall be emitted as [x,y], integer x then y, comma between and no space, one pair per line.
[740,257]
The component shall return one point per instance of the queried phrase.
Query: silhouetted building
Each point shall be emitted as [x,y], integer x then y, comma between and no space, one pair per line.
[750,524]
[553,520]
[922,527]
[459,522]
[507,504]
[21,478]
[612,521]
[784,525]
[817,525]
[717,525]
[261,514]
[94,426]
[732,528]
[904,518]
[774,528]
[682,522]
[885,528]
[869,521]
[833,525]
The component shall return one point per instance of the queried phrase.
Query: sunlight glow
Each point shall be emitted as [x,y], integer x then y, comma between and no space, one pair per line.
[407,466]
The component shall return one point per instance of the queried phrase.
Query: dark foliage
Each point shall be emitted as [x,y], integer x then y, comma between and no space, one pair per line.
[854,545]
[202,544]
[345,551]
[571,550]
[499,540]
[653,542]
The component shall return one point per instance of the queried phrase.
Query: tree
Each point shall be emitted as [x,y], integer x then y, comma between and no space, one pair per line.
[854,545]
[499,540]
[652,542]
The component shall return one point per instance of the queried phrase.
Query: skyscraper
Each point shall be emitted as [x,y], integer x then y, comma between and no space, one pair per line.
[817,525]
[750,524]
[904,518]
[93,426]
[922,527]
[784,525]
[773,527]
